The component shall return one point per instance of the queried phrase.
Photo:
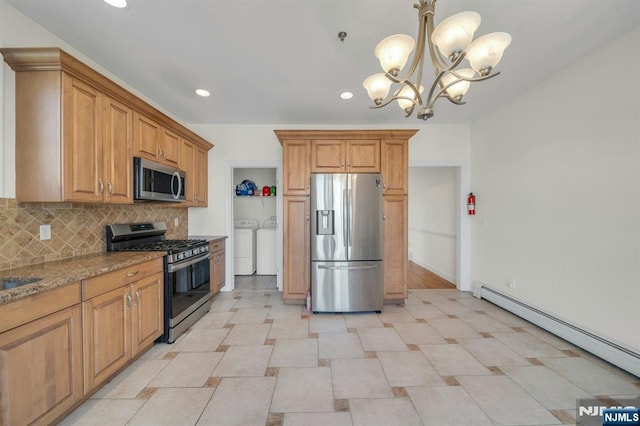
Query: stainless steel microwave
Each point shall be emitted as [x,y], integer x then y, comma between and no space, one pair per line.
[157,182]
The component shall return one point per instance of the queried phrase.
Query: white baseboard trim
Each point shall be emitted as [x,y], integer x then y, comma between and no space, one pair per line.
[612,352]
[436,271]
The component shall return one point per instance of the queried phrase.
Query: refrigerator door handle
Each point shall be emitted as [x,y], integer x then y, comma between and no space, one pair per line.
[350,207]
[347,268]
[345,231]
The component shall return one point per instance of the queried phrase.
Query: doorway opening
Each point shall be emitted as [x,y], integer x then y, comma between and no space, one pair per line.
[437,235]
[254,226]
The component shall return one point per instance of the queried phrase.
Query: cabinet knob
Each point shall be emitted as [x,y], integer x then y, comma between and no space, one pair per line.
[100,186]
[110,187]
[308,217]
[132,273]
[348,164]
[159,152]
[342,165]
[128,301]
[137,297]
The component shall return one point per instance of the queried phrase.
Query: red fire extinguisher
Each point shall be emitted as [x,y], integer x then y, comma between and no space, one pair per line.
[471,204]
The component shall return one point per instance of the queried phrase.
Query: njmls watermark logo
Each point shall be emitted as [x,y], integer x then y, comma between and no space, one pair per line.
[593,412]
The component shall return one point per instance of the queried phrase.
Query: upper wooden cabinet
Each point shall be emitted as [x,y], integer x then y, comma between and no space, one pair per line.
[77,131]
[188,164]
[200,181]
[395,166]
[155,142]
[351,156]
[296,168]
[193,160]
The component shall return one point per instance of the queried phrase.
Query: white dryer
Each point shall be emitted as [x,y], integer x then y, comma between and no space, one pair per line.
[266,261]
[244,246]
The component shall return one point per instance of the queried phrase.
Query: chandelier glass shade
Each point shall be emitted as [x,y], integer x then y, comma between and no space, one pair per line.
[448,45]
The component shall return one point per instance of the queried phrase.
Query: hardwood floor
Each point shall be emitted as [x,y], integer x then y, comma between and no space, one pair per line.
[418,277]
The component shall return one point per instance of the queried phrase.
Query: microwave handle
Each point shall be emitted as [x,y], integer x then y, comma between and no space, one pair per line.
[176,175]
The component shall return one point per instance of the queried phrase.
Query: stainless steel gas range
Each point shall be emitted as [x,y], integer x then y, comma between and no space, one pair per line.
[187,288]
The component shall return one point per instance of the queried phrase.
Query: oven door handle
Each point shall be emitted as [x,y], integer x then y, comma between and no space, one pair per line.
[173,267]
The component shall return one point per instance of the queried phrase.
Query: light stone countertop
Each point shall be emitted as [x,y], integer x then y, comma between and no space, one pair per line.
[62,272]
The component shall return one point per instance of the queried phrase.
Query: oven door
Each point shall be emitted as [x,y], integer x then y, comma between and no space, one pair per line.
[188,285]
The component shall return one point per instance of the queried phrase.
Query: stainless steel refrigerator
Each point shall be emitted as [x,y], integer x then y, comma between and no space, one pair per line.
[346,242]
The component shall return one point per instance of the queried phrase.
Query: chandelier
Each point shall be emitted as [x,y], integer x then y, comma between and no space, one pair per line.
[449,44]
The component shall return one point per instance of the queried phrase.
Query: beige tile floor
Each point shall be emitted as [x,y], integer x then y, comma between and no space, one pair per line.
[445,358]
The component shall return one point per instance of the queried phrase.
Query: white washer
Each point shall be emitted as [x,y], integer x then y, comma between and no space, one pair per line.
[244,246]
[266,260]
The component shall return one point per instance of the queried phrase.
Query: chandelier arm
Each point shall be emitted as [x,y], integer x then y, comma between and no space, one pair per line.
[433,88]
[437,60]
[472,79]
[419,51]
[416,92]
[442,92]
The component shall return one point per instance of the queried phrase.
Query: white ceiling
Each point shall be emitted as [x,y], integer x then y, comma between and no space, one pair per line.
[281,62]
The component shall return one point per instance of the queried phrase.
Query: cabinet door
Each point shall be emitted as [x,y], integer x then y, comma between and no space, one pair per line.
[82,127]
[395,161]
[41,368]
[363,156]
[188,164]
[147,314]
[296,248]
[202,178]
[146,134]
[327,156]
[395,255]
[296,157]
[106,335]
[117,152]
[169,147]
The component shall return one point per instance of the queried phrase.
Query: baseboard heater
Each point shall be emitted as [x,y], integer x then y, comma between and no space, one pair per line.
[614,353]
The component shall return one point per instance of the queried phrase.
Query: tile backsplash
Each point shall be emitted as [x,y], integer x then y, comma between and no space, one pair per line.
[76,229]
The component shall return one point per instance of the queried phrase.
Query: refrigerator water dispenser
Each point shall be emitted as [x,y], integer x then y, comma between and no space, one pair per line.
[325,222]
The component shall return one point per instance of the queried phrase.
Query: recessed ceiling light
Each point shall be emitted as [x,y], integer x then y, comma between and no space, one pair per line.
[346,95]
[117,3]
[202,92]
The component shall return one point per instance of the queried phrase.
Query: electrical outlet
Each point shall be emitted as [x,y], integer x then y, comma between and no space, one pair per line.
[176,222]
[511,282]
[45,232]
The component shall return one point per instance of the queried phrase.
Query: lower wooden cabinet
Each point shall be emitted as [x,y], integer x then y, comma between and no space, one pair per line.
[217,250]
[296,249]
[118,325]
[395,256]
[41,368]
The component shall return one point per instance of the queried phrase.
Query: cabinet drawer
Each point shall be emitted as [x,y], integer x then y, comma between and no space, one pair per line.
[33,307]
[216,245]
[111,280]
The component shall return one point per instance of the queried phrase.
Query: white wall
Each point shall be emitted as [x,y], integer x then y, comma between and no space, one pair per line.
[433,219]
[557,178]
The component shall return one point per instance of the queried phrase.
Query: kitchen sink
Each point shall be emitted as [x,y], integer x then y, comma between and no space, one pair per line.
[12,282]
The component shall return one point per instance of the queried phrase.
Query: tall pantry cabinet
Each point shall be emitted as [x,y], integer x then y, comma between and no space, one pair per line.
[344,151]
